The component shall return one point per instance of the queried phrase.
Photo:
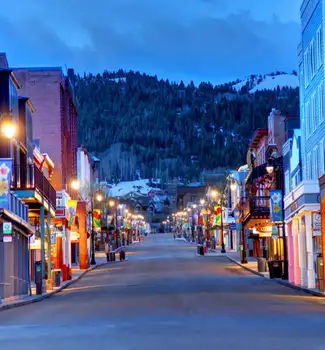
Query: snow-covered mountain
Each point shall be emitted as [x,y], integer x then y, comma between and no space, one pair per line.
[267,82]
[140,187]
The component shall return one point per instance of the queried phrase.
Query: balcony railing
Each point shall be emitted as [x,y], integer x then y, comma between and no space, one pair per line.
[256,206]
[30,177]
[18,207]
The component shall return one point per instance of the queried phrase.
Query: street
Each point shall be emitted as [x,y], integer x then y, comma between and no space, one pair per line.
[166,297]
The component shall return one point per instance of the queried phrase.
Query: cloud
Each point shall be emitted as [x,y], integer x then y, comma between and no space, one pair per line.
[168,40]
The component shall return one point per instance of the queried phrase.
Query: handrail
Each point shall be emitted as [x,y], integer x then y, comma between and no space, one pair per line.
[30,177]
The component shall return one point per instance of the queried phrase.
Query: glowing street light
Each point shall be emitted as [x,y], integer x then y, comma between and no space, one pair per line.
[233,186]
[99,197]
[202,201]
[9,130]
[75,184]
[111,203]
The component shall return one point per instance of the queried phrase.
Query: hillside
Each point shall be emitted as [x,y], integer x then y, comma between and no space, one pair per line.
[143,127]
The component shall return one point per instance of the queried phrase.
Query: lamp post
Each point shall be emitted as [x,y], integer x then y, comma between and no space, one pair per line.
[233,187]
[213,195]
[274,165]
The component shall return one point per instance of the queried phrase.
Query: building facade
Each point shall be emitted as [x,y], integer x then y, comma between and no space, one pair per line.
[306,195]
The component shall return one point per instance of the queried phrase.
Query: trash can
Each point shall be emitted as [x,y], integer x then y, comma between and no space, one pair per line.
[261,264]
[122,255]
[38,277]
[275,268]
[201,250]
[56,277]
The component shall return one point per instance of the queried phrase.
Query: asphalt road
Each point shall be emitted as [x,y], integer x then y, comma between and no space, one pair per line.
[166,297]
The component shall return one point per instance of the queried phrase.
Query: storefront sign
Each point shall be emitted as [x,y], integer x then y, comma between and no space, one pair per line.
[7,228]
[53,238]
[317,228]
[7,231]
[5,182]
[233,226]
[276,206]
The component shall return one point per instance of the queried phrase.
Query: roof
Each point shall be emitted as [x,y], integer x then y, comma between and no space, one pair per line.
[259,134]
[39,69]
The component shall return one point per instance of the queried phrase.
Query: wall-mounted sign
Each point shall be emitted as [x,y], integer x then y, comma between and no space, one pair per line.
[7,232]
[317,228]
[7,228]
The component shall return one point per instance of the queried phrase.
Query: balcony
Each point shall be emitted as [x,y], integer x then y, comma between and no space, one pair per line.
[30,178]
[256,208]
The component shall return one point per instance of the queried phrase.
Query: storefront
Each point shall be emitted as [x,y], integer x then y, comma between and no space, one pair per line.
[14,256]
[302,219]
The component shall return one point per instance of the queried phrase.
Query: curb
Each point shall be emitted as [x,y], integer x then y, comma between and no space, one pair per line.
[278,281]
[49,294]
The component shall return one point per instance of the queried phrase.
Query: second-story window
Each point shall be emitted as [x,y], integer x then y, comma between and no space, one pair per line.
[307,119]
[312,59]
[314,113]
[320,103]
[309,167]
[306,68]
[319,41]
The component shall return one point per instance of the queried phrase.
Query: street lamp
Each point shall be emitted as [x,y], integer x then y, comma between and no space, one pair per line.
[75,184]
[202,201]
[233,186]
[8,129]
[99,197]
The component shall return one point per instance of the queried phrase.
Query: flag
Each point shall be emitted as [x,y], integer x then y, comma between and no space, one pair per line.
[217,215]
[276,206]
[72,207]
[5,182]
[96,218]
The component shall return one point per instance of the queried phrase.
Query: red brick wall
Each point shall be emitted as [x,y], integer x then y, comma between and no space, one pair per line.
[53,122]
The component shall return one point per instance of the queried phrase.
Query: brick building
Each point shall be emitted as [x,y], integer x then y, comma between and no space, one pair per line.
[54,120]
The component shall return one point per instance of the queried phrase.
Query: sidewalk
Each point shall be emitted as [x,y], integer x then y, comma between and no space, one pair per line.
[76,275]
[251,266]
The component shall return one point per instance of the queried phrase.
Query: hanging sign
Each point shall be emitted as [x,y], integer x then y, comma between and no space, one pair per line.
[237,215]
[276,206]
[5,182]
[72,206]
[217,215]
[96,218]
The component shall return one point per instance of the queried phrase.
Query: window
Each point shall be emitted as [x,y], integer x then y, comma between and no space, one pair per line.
[316,167]
[307,119]
[312,58]
[320,102]
[321,154]
[319,48]
[313,113]
[306,70]
[309,165]
[287,182]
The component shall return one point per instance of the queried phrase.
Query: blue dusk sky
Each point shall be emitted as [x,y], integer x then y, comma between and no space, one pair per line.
[199,40]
